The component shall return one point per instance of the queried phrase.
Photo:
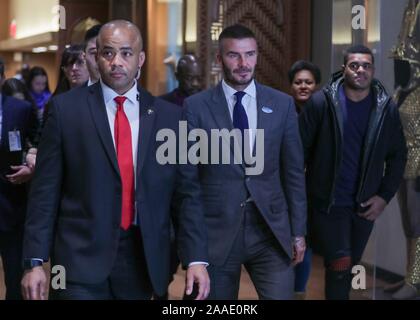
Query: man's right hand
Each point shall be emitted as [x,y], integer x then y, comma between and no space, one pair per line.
[34,284]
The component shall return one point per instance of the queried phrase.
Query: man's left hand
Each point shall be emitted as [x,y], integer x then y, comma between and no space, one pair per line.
[198,274]
[299,247]
[376,206]
[23,174]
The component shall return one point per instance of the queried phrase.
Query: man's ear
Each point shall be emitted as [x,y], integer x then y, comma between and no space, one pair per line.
[219,56]
[343,67]
[142,58]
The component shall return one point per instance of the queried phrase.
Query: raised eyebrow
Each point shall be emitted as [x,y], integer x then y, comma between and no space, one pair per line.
[127,48]
[252,51]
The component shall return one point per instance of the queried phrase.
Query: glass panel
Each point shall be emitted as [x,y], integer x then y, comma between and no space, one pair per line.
[164,44]
[341,31]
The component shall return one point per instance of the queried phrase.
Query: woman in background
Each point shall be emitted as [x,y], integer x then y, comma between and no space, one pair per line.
[39,88]
[304,78]
[73,69]
[15,88]
[73,72]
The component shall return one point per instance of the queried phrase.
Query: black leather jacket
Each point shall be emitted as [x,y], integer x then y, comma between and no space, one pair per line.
[384,152]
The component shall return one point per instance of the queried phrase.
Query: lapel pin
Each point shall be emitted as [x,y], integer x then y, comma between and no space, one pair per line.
[267,110]
[150,111]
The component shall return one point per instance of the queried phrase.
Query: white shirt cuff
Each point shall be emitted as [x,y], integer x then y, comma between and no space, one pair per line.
[198,262]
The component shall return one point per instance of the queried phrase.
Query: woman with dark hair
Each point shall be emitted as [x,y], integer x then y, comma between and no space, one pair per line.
[73,72]
[39,88]
[304,78]
[73,69]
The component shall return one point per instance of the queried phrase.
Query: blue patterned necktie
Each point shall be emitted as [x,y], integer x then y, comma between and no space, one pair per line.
[240,119]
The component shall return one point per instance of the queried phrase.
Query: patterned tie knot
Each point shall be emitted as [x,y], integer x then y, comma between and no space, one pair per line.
[239,95]
[120,101]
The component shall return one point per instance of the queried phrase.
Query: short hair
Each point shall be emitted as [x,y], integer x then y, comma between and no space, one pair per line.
[92,32]
[1,68]
[358,49]
[236,31]
[304,65]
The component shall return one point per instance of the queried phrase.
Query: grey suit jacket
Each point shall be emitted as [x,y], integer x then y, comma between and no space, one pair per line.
[278,192]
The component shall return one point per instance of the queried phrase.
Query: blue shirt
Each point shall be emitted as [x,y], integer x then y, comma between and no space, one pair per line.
[355,125]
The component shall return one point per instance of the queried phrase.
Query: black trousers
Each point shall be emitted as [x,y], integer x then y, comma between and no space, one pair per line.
[341,234]
[256,248]
[11,255]
[129,279]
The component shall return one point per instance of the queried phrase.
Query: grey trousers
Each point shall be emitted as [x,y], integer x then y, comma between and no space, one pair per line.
[409,200]
[256,248]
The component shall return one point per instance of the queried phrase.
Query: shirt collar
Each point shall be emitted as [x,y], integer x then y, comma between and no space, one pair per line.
[110,94]
[90,82]
[249,90]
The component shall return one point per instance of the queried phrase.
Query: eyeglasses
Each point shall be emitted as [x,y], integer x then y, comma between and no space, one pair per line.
[354,66]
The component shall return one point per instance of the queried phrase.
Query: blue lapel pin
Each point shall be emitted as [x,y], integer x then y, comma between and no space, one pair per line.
[267,110]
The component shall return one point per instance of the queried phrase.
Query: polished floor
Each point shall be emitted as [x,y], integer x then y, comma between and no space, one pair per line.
[247,291]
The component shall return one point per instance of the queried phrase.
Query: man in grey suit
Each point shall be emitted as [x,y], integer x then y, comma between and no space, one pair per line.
[258,221]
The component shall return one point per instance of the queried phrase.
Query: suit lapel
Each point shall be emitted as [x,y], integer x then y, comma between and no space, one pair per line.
[219,108]
[264,119]
[147,120]
[100,118]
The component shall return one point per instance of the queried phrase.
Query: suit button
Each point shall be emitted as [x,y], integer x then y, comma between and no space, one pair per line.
[242,204]
[248,179]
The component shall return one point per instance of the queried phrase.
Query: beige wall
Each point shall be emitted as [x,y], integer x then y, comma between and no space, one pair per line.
[156,46]
[33,17]
[5,20]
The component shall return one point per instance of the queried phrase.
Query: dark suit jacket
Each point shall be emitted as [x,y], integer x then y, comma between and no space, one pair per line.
[175,97]
[75,200]
[17,115]
[279,192]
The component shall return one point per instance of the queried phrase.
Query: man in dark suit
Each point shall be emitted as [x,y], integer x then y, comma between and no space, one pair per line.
[16,119]
[100,200]
[188,74]
[255,219]
[91,52]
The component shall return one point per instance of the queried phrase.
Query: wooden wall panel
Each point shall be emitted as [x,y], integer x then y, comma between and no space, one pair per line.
[282,29]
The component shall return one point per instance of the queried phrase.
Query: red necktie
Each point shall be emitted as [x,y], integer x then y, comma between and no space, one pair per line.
[122,135]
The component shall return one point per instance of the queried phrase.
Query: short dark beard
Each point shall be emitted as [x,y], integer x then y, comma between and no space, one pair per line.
[231,80]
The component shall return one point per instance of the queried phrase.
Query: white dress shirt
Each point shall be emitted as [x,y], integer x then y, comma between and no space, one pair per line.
[249,101]
[90,82]
[132,111]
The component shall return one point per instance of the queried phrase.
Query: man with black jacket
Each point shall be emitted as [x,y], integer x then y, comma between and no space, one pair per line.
[355,156]
[18,131]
